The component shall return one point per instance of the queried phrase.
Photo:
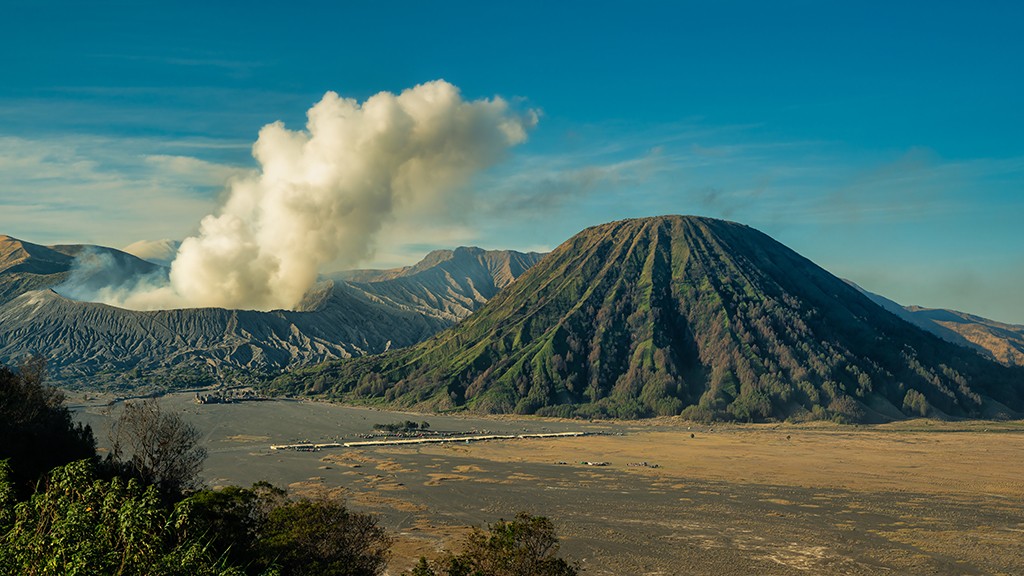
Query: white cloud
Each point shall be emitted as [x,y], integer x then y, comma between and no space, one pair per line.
[101,190]
[193,171]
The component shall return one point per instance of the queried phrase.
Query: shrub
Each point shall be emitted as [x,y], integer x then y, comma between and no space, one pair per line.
[321,537]
[526,546]
[263,532]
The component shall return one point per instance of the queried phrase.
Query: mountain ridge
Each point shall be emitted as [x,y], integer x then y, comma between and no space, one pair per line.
[999,341]
[449,284]
[95,344]
[25,257]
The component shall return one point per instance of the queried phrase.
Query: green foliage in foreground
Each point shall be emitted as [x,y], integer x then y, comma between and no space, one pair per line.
[262,531]
[83,518]
[314,537]
[81,525]
[526,546]
[37,431]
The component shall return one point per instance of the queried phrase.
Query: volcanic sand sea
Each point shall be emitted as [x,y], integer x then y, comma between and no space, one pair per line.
[919,497]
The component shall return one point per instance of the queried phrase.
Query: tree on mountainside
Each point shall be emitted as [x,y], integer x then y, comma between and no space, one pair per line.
[37,431]
[915,404]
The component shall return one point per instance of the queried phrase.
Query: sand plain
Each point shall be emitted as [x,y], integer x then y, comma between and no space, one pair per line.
[917,497]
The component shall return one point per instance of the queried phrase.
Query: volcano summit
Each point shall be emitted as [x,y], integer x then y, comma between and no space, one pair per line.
[680,315]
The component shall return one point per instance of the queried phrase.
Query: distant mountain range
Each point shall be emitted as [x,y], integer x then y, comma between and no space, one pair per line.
[447,284]
[25,266]
[656,316]
[679,315]
[95,344]
[998,341]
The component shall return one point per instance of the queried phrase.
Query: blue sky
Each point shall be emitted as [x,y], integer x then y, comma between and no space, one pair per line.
[881,140]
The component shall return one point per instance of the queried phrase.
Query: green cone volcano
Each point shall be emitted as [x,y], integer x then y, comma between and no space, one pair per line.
[670,315]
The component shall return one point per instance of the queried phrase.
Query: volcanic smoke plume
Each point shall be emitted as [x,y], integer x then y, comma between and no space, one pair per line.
[321,194]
